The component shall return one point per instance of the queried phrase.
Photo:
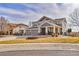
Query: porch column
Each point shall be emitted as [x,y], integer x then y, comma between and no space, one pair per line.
[39,30]
[46,30]
[54,29]
[59,30]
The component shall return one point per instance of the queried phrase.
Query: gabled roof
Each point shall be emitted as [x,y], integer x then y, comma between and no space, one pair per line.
[61,19]
[12,25]
[48,24]
[22,25]
[47,18]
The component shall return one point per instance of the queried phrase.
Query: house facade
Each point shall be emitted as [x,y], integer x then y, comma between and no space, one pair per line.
[10,27]
[18,29]
[47,26]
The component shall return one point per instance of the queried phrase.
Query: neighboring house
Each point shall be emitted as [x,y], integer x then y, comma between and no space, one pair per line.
[16,29]
[20,29]
[3,25]
[10,27]
[47,26]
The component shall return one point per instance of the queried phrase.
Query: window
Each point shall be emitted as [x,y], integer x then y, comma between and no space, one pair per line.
[60,30]
[50,30]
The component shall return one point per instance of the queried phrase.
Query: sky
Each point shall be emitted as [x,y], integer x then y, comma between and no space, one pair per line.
[28,12]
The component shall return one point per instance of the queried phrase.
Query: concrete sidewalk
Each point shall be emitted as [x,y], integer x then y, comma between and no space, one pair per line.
[39,46]
[10,37]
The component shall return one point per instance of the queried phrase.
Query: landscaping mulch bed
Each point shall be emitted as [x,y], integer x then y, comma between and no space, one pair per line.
[32,38]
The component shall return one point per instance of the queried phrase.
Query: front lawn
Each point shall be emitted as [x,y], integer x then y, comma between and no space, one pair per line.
[43,40]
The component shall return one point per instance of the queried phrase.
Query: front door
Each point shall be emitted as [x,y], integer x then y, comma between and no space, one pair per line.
[21,32]
[43,31]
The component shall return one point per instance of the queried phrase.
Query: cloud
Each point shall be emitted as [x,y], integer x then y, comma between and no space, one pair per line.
[54,10]
[11,11]
[33,11]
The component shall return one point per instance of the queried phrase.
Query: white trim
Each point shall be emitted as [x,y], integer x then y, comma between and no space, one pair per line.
[48,23]
[46,29]
[44,23]
[54,29]
[39,30]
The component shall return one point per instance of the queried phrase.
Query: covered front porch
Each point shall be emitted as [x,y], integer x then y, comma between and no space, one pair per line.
[48,30]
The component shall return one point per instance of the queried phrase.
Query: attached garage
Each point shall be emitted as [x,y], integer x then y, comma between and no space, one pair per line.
[32,31]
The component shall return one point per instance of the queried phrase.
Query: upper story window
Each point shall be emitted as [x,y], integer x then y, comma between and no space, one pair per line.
[34,25]
[59,23]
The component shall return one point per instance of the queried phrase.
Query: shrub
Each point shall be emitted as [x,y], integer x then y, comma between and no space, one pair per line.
[31,37]
[2,33]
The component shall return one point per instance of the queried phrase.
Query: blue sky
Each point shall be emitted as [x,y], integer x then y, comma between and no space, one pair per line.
[26,12]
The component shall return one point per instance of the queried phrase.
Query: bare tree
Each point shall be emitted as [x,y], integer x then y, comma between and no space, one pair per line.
[75,18]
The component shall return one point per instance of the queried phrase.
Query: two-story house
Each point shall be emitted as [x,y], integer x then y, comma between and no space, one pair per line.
[46,25]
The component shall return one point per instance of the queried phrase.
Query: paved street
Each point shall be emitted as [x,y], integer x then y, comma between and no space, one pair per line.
[40,53]
[39,49]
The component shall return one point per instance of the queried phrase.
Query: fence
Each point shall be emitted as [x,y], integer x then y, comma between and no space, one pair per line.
[74,34]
